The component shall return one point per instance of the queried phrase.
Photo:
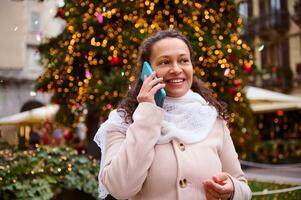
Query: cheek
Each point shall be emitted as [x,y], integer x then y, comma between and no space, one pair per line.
[189,74]
[161,72]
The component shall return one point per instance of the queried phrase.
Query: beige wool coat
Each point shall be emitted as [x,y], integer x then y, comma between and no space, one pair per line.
[137,168]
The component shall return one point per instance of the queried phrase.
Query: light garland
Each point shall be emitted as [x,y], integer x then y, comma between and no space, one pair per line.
[96,53]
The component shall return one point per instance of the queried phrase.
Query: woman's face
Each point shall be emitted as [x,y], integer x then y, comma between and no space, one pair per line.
[170,58]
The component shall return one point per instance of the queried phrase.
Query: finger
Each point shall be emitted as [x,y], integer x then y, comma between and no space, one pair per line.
[150,77]
[150,83]
[211,194]
[219,189]
[156,88]
[153,87]
[208,188]
[147,79]
[156,81]
[220,178]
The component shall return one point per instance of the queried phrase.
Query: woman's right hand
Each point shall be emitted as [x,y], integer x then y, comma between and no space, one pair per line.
[149,88]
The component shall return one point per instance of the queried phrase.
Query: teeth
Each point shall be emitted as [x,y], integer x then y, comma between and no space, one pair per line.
[175,81]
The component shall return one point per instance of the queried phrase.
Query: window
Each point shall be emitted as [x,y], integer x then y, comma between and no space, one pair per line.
[276,54]
[35,22]
[243,10]
[275,4]
[264,7]
[246,9]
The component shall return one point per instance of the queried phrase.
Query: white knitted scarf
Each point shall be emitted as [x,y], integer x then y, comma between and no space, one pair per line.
[188,118]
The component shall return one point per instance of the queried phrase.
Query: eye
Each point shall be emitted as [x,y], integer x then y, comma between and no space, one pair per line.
[164,62]
[184,60]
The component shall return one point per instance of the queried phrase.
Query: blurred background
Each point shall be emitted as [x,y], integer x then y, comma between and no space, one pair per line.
[65,64]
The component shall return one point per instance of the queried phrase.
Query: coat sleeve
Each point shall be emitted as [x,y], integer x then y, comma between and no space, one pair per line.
[129,156]
[231,165]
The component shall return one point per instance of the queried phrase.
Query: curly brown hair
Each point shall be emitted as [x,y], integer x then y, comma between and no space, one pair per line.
[129,104]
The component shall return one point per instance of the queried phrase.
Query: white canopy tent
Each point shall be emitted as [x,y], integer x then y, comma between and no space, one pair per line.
[261,101]
[36,115]
[264,101]
[12,125]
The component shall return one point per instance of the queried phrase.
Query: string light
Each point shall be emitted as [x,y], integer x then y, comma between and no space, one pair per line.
[103,48]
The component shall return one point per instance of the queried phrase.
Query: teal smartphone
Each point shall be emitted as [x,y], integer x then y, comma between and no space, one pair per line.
[160,94]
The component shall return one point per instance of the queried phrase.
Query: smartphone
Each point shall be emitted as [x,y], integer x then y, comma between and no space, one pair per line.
[160,94]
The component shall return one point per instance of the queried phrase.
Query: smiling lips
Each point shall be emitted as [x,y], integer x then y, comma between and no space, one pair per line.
[177,81]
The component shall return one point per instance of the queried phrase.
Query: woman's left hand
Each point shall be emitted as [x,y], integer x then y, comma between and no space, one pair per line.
[219,187]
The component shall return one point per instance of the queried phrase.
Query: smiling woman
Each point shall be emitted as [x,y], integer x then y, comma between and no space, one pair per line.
[173,64]
[182,150]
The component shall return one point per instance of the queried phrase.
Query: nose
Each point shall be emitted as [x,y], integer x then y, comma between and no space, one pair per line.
[175,68]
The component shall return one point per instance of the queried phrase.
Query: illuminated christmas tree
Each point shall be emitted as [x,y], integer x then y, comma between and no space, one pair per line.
[89,66]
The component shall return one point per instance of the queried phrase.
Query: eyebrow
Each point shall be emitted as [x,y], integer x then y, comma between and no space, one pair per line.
[166,56]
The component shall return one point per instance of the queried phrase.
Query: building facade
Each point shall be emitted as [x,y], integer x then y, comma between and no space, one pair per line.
[24,25]
[272,28]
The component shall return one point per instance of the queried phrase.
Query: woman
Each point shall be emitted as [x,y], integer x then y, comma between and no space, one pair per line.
[180,151]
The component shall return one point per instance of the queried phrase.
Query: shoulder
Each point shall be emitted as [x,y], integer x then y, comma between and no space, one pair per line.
[220,125]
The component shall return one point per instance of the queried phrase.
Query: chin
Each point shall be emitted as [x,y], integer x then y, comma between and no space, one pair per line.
[176,93]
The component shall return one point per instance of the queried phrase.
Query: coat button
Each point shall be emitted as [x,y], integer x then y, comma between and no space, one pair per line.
[182,147]
[183,183]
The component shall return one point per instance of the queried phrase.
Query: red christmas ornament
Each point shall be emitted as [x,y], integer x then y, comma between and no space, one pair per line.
[237,83]
[68,135]
[247,68]
[231,92]
[115,60]
[61,13]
